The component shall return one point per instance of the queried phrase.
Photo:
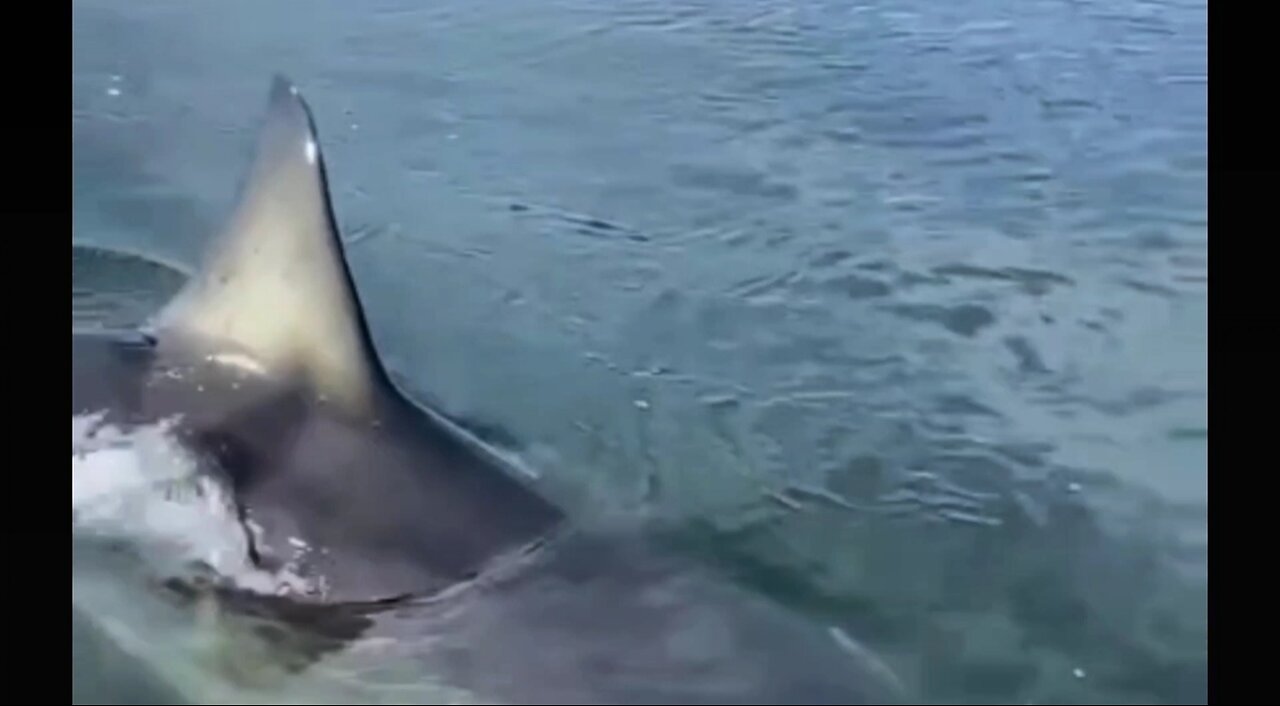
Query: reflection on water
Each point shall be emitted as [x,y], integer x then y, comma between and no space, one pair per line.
[896,315]
[113,289]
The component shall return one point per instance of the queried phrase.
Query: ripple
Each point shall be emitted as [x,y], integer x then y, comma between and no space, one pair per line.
[116,289]
[858,287]
[739,182]
[1029,360]
[1031,281]
[964,319]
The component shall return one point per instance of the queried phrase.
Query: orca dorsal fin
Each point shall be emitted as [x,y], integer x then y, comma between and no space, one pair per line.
[275,284]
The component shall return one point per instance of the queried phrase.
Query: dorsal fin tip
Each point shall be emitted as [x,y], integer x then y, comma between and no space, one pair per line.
[275,283]
[282,85]
[286,104]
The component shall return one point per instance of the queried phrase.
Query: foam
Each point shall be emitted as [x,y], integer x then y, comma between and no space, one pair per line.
[142,488]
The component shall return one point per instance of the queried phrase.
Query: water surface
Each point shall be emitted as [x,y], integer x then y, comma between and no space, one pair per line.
[895,312]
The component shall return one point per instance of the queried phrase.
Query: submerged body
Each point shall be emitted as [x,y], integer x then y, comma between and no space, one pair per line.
[616,619]
[264,370]
[102,672]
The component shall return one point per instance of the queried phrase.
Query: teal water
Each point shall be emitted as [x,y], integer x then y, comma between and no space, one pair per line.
[894,312]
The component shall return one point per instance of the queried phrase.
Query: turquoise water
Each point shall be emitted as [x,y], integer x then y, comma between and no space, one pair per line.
[895,312]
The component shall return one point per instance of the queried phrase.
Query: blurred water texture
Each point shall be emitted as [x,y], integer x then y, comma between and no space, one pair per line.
[896,312]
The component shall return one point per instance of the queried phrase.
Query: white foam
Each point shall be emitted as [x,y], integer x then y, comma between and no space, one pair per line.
[143,488]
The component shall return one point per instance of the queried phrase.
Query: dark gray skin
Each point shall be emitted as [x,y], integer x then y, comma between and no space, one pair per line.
[614,619]
[395,505]
[472,573]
